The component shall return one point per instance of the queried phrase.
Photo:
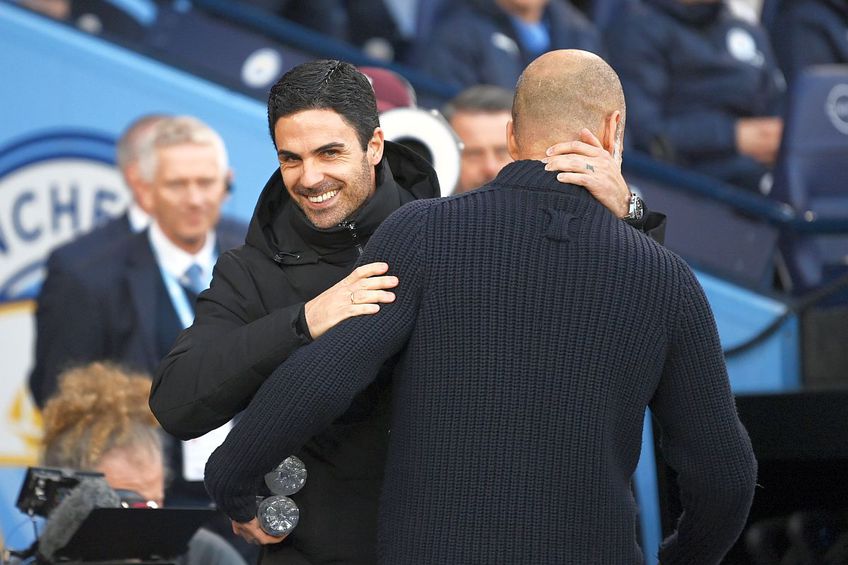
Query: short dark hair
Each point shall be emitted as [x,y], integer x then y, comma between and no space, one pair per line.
[326,85]
[479,99]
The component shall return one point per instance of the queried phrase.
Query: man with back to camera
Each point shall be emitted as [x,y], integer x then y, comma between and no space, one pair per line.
[292,281]
[524,370]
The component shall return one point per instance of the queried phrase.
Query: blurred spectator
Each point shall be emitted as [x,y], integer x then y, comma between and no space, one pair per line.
[491,41]
[810,32]
[67,257]
[703,89]
[118,302]
[325,16]
[479,116]
[128,302]
[100,421]
[393,30]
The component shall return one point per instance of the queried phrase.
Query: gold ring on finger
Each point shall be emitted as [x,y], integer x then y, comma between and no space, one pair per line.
[352,301]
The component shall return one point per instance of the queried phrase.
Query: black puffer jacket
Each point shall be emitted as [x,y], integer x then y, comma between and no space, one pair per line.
[251,319]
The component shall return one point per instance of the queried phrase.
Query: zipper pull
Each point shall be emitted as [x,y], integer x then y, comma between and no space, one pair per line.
[280,256]
[351,226]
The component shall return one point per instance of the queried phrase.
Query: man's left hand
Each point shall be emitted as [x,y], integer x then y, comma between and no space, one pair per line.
[586,163]
[253,533]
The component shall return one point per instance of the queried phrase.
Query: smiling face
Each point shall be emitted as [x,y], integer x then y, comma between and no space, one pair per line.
[325,170]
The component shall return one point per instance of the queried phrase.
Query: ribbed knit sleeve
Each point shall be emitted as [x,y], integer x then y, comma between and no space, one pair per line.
[318,382]
[702,437]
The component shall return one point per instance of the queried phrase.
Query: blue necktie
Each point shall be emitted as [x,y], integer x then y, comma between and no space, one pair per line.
[193,279]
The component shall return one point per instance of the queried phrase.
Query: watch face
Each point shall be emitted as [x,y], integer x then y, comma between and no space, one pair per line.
[637,209]
[639,206]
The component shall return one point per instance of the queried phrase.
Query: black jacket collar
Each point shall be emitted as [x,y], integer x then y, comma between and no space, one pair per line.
[281,231]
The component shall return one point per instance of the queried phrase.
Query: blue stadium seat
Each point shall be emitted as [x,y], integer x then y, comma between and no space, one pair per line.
[812,172]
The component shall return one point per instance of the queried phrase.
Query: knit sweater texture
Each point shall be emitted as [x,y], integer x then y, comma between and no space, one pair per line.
[532,329]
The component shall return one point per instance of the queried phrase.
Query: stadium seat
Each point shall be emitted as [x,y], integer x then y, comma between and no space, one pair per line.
[810,173]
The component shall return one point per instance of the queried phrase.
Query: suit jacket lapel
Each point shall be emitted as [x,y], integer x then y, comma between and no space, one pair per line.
[143,276]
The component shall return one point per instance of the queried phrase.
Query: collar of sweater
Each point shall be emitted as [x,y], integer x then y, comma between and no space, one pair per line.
[531,175]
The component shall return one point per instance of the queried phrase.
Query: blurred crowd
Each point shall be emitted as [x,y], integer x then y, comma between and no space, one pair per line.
[706,80]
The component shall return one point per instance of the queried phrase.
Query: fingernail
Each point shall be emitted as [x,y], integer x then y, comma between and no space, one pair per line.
[545,160]
[550,151]
[547,167]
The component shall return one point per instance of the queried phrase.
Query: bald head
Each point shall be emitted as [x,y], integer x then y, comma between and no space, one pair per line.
[561,93]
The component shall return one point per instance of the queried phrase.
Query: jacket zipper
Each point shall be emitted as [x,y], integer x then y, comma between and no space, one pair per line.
[351,227]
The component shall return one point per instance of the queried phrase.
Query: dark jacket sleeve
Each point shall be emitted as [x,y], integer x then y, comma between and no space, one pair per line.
[638,52]
[69,329]
[454,55]
[317,383]
[654,226]
[702,438]
[803,38]
[218,363]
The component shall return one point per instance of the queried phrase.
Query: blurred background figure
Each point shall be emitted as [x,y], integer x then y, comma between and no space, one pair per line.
[810,32]
[99,421]
[324,16]
[491,41]
[127,300]
[135,219]
[703,88]
[479,116]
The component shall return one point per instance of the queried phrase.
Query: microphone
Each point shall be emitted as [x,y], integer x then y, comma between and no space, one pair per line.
[69,515]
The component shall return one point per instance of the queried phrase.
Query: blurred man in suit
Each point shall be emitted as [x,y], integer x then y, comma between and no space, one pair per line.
[66,257]
[127,302]
[113,296]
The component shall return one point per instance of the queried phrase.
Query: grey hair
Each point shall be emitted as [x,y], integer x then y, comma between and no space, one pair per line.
[479,99]
[130,143]
[178,130]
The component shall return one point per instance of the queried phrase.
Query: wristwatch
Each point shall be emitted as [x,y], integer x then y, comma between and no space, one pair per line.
[636,213]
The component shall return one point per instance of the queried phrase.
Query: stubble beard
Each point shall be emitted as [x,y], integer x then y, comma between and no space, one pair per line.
[352,196]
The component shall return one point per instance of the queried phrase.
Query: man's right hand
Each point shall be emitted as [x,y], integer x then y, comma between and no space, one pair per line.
[358,294]
[759,138]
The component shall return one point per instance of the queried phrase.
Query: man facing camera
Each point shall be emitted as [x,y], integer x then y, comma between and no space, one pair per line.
[531,330]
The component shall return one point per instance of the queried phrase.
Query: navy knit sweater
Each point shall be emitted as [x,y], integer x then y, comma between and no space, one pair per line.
[532,329]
